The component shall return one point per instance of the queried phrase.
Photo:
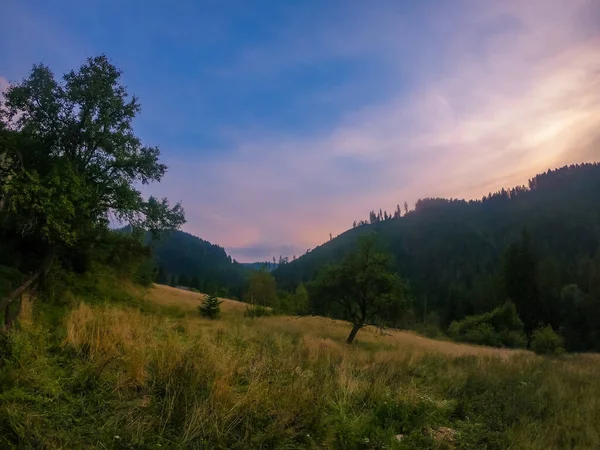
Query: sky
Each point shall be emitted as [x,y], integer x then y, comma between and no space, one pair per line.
[284,121]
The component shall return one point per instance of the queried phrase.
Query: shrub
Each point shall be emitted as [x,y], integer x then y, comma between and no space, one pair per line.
[545,341]
[501,327]
[257,311]
[210,307]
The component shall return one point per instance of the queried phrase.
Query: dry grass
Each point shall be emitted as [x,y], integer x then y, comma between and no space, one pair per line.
[188,300]
[321,328]
[280,382]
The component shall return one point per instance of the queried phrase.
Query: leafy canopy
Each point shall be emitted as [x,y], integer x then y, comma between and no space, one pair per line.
[363,285]
[71,160]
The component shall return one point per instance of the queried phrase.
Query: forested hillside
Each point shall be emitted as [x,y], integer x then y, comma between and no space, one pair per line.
[537,245]
[184,259]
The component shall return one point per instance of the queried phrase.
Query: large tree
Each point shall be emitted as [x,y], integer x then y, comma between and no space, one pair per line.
[71,161]
[363,285]
[262,289]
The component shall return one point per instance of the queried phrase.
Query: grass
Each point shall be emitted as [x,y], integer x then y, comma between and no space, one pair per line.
[156,375]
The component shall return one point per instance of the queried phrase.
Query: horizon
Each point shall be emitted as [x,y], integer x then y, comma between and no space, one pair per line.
[284,123]
[411,208]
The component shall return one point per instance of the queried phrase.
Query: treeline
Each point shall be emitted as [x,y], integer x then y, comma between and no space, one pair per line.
[536,245]
[383,215]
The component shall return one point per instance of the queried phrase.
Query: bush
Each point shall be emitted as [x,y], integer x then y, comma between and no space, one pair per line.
[210,307]
[545,341]
[257,311]
[501,327]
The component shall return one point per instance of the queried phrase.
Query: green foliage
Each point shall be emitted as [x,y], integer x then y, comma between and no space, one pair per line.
[262,289]
[161,276]
[501,327]
[183,280]
[210,307]
[520,281]
[545,341]
[71,160]
[257,311]
[363,286]
[301,300]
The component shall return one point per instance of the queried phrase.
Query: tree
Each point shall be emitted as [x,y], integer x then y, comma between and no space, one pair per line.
[210,307]
[301,299]
[372,217]
[78,162]
[262,289]
[161,276]
[405,208]
[520,282]
[363,285]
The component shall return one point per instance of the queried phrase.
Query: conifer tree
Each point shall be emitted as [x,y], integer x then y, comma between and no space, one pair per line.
[210,307]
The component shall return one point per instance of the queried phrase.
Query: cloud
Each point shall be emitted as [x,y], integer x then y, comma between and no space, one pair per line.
[519,94]
[413,99]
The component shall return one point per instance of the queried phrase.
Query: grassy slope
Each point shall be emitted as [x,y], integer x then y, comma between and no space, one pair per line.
[116,376]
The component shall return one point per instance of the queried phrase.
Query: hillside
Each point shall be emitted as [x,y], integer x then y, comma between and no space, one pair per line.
[261,265]
[144,370]
[453,251]
[203,265]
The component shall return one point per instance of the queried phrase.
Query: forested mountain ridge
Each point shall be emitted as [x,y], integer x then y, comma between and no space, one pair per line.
[454,252]
[196,263]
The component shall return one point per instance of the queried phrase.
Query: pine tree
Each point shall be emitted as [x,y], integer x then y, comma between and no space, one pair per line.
[210,307]
[161,276]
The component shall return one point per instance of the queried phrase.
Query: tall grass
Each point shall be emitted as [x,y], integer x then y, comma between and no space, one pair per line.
[115,376]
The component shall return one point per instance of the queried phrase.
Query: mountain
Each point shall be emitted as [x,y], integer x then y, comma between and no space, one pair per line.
[453,252]
[197,263]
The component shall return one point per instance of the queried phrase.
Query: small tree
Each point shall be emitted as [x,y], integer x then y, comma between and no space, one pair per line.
[363,285]
[210,307]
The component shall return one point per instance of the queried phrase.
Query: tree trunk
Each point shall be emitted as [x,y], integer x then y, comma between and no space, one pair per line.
[5,303]
[352,335]
[34,280]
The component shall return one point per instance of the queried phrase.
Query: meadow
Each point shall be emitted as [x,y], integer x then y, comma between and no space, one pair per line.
[144,370]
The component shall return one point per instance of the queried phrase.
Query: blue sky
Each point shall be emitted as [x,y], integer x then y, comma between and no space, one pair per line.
[284,121]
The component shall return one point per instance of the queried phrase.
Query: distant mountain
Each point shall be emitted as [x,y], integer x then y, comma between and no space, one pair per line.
[261,265]
[197,263]
[453,252]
